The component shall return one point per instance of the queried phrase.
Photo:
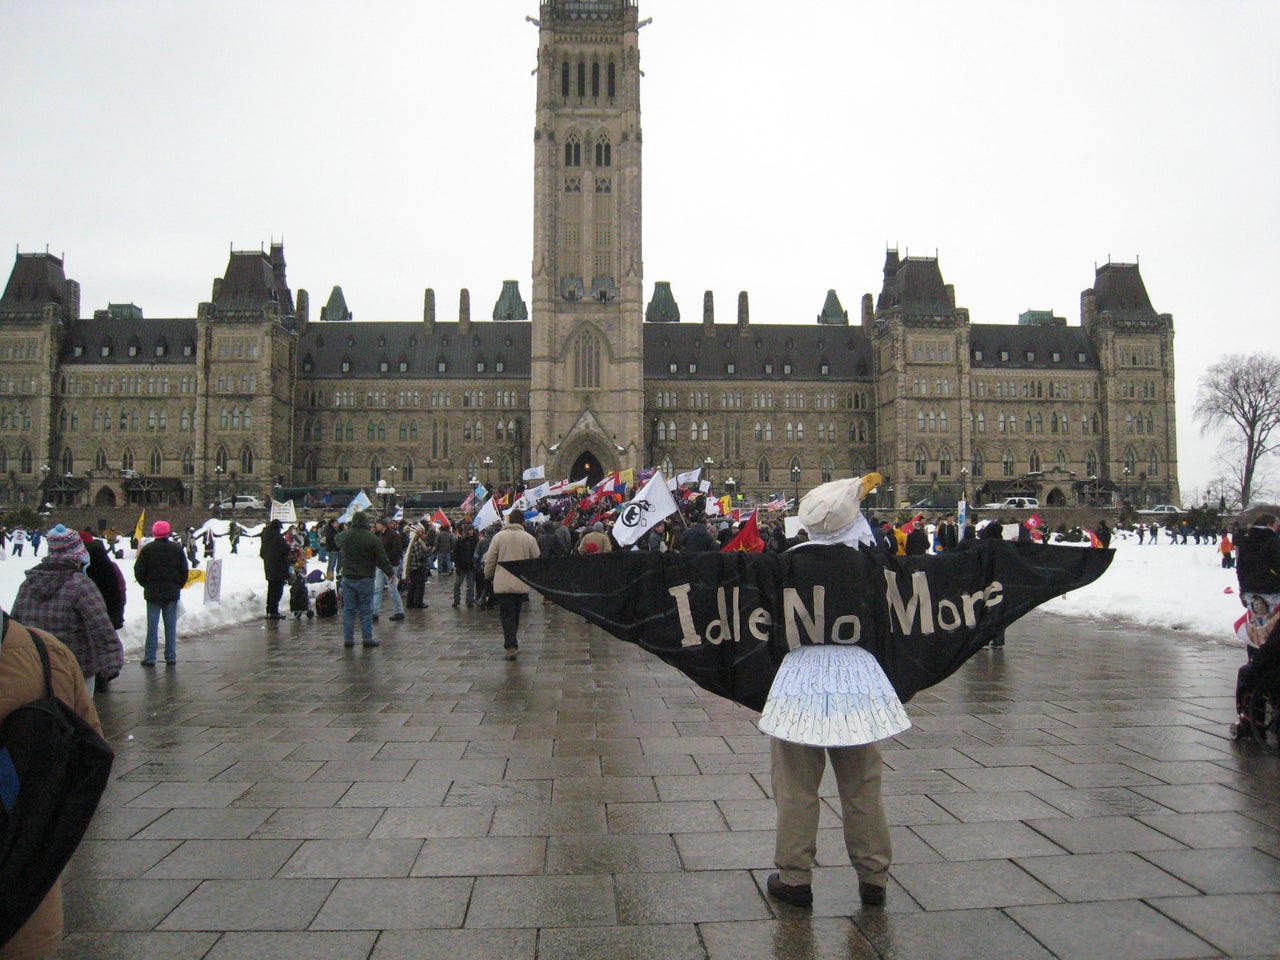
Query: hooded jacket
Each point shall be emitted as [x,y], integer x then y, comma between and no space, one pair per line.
[58,597]
[1258,561]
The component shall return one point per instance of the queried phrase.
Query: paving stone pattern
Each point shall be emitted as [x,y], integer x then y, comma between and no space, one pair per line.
[1073,795]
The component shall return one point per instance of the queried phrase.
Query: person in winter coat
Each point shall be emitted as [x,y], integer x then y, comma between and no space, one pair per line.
[161,568]
[417,568]
[59,597]
[362,555]
[22,681]
[444,550]
[464,566]
[1258,561]
[947,536]
[393,543]
[917,541]
[595,540]
[276,561]
[106,573]
[513,542]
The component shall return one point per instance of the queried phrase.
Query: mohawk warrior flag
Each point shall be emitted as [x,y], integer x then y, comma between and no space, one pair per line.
[651,504]
[726,620]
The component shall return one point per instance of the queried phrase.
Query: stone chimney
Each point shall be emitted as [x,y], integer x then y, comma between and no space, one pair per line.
[303,308]
[464,310]
[744,313]
[868,310]
[429,309]
[708,310]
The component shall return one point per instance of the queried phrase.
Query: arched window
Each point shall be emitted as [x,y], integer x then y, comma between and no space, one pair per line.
[343,470]
[799,430]
[573,151]
[1060,461]
[375,470]
[68,460]
[612,80]
[221,458]
[759,432]
[479,430]
[595,79]
[977,463]
[582,79]
[1033,461]
[189,462]
[768,431]
[1153,463]
[586,362]
[671,431]
[662,431]
[1006,464]
[920,421]
[1091,464]
[565,78]
[246,459]
[822,432]
[126,459]
[309,471]
[1130,462]
[156,464]
[827,468]
[706,431]
[791,430]
[406,470]
[604,151]
[944,462]
[762,470]
[922,461]
[100,459]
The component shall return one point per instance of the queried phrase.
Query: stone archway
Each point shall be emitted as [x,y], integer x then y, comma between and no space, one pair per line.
[1056,498]
[588,465]
[105,498]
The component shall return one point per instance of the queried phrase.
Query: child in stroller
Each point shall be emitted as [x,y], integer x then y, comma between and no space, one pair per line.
[299,595]
[1258,681]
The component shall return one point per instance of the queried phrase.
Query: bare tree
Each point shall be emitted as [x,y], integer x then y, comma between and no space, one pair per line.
[1242,394]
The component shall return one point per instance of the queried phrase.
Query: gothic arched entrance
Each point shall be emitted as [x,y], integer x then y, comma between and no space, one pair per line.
[1056,498]
[588,465]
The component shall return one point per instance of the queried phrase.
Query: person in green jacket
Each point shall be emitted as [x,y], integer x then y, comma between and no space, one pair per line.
[362,555]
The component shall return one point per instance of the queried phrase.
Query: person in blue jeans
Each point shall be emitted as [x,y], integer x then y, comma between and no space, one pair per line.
[389,581]
[161,568]
[363,555]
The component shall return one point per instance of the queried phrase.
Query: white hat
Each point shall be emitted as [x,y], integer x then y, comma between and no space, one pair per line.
[832,695]
[831,511]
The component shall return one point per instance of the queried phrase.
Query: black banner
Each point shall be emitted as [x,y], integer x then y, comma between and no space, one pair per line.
[726,620]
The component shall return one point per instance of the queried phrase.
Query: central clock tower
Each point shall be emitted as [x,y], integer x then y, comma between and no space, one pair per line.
[586,392]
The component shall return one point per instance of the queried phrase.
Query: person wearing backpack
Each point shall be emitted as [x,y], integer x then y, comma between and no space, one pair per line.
[21,682]
[57,596]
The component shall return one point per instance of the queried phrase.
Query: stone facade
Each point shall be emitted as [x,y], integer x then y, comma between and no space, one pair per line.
[251,395]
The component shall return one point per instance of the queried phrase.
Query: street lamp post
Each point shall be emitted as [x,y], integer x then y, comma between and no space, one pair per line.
[387,493]
[488,463]
[795,484]
[391,481]
[707,465]
[964,484]
[217,490]
[731,487]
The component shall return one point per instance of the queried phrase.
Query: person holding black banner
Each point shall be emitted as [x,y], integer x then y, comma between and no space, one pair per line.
[831,514]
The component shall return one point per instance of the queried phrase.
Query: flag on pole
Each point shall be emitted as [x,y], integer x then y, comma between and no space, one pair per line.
[535,473]
[469,504]
[776,504]
[142,523]
[748,539]
[529,499]
[913,523]
[440,518]
[651,504]
[488,515]
[480,492]
[1094,541]
[689,476]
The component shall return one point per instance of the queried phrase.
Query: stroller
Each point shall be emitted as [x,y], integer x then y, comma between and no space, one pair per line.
[1258,682]
[299,596]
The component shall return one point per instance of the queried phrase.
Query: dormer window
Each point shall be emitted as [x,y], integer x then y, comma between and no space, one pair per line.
[479,366]
[1031,356]
[786,368]
[768,367]
[188,349]
[441,366]
[673,367]
[308,365]
[499,366]
[1004,356]
[1080,357]
[106,349]
[78,350]
[730,367]
[384,366]
[693,367]
[133,350]
[162,348]
[977,354]
[404,366]
[1057,357]
[825,368]
[346,365]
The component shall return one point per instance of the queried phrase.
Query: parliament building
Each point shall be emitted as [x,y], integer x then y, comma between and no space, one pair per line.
[256,395]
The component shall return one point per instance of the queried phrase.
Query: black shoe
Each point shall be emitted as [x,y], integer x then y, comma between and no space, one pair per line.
[373,643]
[348,643]
[796,894]
[998,642]
[375,618]
[455,603]
[148,663]
[872,894]
[396,616]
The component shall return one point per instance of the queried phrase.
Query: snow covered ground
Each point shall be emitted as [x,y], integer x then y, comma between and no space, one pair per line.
[1165,586]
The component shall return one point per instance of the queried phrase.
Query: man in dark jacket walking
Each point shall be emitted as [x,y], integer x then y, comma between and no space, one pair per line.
[393,544]
[275,553]
[161,568]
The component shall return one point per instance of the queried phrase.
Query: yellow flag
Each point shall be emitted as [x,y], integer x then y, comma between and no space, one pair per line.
[627,476]
[194,576]
[142,518]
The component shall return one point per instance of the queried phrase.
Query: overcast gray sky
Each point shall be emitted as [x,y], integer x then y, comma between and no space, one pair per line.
[786,145]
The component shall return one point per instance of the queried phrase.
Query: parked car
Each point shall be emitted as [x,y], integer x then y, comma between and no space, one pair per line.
[936,503]
[1014,503]
[244,502]
[1163,508]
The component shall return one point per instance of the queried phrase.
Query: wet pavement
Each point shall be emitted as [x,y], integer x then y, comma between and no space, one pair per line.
[1074,795]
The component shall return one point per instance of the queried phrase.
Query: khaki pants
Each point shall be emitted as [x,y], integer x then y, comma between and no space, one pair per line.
[797,771]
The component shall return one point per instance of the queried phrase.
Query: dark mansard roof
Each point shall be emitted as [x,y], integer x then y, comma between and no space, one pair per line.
[323,349]
[914,287]
[155,341]
[1030,347]
[37,279]
[846,352]
[1119,290]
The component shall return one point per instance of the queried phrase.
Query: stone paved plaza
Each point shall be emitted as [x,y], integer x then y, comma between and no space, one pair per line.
[1073,795]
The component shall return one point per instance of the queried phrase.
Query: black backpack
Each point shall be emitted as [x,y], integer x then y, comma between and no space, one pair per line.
[54,768]
[327,603]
